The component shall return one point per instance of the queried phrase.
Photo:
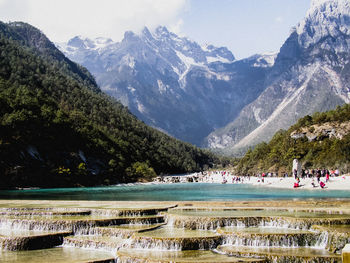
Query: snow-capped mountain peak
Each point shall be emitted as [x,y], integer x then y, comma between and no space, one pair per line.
[310,74]
[160,76]
[264,60]
[324,18]
[79,43]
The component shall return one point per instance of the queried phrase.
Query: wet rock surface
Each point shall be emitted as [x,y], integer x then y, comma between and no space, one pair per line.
[168,232]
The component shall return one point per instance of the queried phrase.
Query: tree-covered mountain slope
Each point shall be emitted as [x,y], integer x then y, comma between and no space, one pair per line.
[319,141]
[58,129]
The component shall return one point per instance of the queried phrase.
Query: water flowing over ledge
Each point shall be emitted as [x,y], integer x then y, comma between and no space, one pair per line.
[128,232]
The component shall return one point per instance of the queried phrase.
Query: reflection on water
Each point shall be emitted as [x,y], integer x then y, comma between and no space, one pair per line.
[170,192]
[54,255]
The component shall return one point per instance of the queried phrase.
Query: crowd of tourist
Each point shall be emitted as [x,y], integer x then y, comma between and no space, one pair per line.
[305,178]
[315,173]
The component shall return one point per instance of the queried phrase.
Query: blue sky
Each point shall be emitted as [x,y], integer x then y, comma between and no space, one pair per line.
[246,27]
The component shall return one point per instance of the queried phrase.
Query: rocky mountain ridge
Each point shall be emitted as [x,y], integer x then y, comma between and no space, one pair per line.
[171,82]
[310,74]
[202,95]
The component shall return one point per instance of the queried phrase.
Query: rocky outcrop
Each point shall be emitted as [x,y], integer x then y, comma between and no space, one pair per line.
[325,130]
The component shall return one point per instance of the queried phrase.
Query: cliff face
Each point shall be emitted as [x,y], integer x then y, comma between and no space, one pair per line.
[329,130]
[310,74]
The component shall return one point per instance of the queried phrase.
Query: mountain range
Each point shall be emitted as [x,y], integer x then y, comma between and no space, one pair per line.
[172,83]
[202,95]
[58,129]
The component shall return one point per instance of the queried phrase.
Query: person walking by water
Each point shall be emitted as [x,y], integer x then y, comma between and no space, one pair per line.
[318,175]
[327,176]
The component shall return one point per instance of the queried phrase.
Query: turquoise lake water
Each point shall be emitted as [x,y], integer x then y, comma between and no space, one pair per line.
[171,192]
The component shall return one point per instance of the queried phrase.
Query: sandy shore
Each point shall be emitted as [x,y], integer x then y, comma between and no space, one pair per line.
[335,183]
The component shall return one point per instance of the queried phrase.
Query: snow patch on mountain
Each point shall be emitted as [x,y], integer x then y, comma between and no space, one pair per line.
[256,112]
[161,87]
[132,89]
[217,59]
[129,61]
[325,18]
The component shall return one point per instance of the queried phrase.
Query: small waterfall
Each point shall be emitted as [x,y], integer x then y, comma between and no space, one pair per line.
[117,213]
[322,241]
[176,244]
[103,229]
[272,240]
[110,244]
[32,242]
[156,244]
[127,212]
[45,212]
[37,225]
[283,223]
[208,223]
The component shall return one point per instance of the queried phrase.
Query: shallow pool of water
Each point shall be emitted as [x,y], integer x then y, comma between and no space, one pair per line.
[171,192]
[254,213]
[194,256]
[54,255]
[173,232]
[306,252]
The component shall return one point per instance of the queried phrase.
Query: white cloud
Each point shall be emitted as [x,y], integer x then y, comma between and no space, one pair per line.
[177,27]
[63,19]
[279,19]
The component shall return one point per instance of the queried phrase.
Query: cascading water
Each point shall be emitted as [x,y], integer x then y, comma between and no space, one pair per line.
[322,241]
[147,230]
[272,240]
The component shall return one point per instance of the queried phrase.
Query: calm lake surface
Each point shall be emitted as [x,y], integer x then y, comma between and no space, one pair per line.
[171,192]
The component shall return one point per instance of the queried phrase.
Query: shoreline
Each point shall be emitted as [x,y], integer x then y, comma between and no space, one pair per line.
[335,183]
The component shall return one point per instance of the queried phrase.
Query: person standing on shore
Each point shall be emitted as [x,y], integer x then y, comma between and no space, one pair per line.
[318,175]
[295,172]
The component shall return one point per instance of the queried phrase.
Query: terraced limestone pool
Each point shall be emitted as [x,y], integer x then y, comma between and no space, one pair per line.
[188,212]
[173,232]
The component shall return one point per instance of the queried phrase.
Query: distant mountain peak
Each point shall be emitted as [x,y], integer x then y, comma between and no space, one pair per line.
[146,32]
[324,18]
[80,42]
[160,75]
[162,30]
[315,3]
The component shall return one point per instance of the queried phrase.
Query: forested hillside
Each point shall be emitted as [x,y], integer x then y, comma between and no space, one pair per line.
[319,141]
[58,129]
